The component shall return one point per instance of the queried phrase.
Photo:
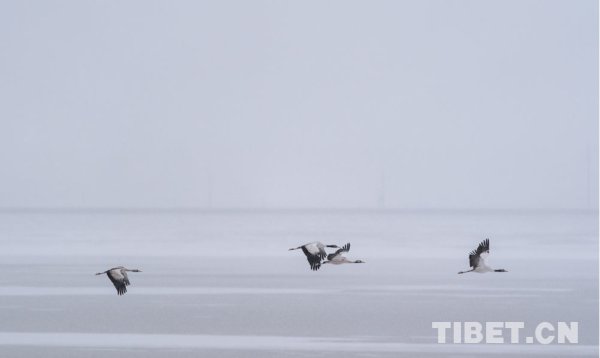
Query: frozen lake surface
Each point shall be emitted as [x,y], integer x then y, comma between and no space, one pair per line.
[222,284]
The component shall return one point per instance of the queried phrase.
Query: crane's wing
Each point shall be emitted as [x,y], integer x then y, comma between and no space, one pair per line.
[344,248]
[479,254]
[118,279]
[125,277]
[315,248]
[314,257]
[322,253]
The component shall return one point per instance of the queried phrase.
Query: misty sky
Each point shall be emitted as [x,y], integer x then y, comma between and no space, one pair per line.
[398,104]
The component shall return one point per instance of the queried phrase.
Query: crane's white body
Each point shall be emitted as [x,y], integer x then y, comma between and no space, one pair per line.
[482,267]
[338,260]
[478,257]
[338,257]
[118,276]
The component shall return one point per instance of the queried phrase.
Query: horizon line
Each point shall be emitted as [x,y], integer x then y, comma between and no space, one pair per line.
[183,209]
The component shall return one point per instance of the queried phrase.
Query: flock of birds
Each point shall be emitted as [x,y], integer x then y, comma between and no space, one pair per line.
[317,256]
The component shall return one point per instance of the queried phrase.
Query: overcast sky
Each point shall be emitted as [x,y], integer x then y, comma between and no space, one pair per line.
[399,104]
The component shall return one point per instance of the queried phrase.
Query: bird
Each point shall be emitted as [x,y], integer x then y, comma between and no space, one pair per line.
[477,259]
[118,276]
[315,253]
[337,258]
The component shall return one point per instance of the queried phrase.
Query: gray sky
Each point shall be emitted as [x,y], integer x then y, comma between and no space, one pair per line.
[403,104]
